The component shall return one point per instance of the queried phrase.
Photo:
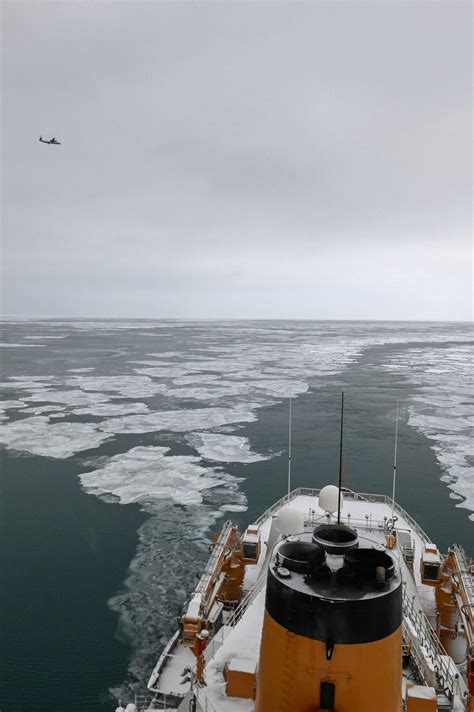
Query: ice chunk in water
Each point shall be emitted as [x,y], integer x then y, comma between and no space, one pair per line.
[224,448]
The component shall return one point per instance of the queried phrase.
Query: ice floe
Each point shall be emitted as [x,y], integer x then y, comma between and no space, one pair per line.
[126,386]
[179,420]
[164,371]
[233,508]
[60,440]
[7,345]
[18,383]
[39,409]
[7,404]
[68,397]
[191,380]
[224,448]
[166,354]
[111,409]
[148,473]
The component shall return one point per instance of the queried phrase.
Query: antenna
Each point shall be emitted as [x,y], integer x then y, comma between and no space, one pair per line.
[289,451]
[340,461]
[395,462]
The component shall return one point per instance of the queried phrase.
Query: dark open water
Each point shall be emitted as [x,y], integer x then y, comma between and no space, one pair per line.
[71,629]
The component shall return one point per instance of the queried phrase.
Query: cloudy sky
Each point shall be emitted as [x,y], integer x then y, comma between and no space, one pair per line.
[254,159]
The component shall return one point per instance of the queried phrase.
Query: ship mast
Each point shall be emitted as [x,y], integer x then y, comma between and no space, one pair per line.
[289,450]
[340,462]
[395,463]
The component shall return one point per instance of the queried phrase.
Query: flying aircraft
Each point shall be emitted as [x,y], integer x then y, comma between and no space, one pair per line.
[51,142]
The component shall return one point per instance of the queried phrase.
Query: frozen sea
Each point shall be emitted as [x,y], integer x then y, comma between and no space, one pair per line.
[126,443]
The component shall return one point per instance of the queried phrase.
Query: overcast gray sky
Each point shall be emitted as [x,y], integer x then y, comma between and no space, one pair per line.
[254,159]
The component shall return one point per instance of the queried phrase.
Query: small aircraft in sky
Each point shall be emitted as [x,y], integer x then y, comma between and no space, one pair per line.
[51,142]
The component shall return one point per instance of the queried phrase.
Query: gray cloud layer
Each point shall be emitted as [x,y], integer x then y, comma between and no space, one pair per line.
[238,159]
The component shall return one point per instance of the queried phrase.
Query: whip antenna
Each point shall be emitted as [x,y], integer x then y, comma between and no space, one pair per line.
[289,450]
[340,461]
[395,462]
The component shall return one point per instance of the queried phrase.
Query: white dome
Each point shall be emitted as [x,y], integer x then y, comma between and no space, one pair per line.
[328,499]
[290,521]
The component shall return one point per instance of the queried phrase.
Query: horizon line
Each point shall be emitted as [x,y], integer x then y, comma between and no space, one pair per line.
[11,317]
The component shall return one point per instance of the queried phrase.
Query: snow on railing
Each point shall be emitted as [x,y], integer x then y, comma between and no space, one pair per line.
[465,581]
[162,661]
[348,496]
[432,661]
[466,570]
[202,699]
[218,640]
[237,614]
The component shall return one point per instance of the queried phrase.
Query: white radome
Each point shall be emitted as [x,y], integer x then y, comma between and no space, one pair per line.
[329,498]
[290,521]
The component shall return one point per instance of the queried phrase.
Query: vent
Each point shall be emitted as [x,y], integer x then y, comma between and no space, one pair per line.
[336,538]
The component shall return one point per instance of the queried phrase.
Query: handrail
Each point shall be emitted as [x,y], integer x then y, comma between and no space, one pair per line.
[465,581]
[349,495]
[202,699]
[427,640]
[160,664]
[213,560]
[237,614]
[218,639]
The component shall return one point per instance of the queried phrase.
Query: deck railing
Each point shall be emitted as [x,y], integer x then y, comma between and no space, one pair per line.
[432,661]
[348,496]
[162,660]
[466,584]
[203,701]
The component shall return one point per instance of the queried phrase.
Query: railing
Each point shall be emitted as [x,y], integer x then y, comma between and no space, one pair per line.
[300,491]
[219,638]
[466,584]
[213,560]
[430,657]
[236,615]
[144,703]
[348,495]
[162,660]
[202,699]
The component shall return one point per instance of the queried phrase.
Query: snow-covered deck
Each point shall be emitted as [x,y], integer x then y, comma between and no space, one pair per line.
[365,513]
[239,640]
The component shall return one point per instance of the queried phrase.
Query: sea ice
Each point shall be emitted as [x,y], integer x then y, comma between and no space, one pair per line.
[442,408]
[126,386]
[224,448]
[179,420]
[60,440]
[163,371]
[69,397]
[38,409]
[191,380]
[4,345]
[147,474]
[111,409]
[233,508]
[7,404]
